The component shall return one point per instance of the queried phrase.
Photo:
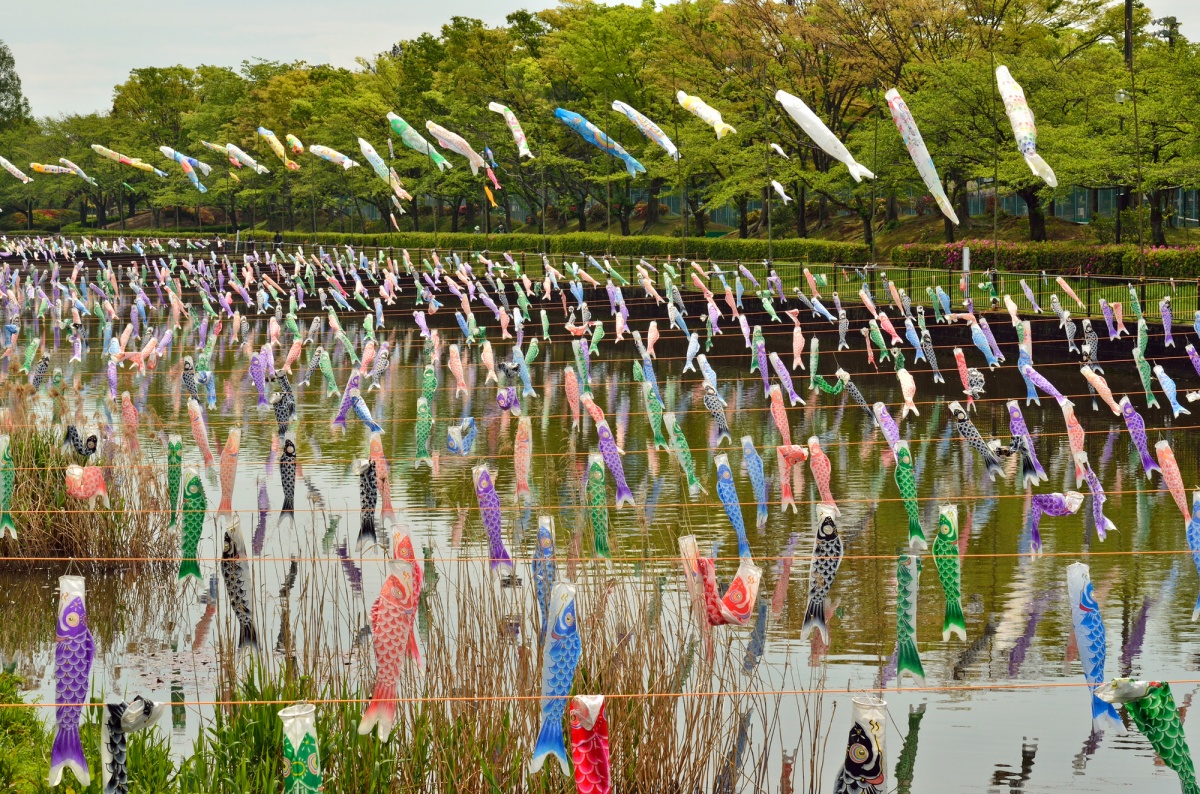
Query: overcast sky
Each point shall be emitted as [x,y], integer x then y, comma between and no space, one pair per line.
[70,60]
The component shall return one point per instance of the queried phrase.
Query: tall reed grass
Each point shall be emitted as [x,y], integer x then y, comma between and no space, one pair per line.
[475,725]
[50,523]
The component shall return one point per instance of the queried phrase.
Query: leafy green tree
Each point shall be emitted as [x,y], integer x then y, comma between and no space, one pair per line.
[14,107]
[839,56]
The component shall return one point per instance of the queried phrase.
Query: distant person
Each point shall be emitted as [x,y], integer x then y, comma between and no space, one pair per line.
[218,242]
[499,228]
[278,240]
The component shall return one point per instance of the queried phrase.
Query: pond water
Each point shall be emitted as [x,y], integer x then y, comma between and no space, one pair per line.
[981,725]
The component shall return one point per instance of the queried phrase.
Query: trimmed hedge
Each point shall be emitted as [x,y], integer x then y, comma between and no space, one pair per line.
[1053,257]
[718,248]
[592,242]
[183,231]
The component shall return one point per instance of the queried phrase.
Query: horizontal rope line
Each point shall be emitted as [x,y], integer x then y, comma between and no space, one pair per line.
[352,421]
[988,687]
[412,507]
[796,376]
[770,328]
[638,560]
[585,452]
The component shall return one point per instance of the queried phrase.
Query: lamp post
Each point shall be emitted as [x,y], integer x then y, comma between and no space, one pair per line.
[1129,34]
[1170,30]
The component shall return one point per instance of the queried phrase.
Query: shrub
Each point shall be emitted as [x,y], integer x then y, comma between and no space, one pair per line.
[1053,257]
[720,248]
[727,249]
[1056,257]
[43,220]
[1166,262]
[1103,229]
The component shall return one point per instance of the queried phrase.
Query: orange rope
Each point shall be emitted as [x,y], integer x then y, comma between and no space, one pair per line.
[587,451]
[734,334]
[410,507]
[629,560]
[986,687]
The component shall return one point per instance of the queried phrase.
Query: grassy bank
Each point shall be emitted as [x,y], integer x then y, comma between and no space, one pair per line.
[25,750]
[475,727]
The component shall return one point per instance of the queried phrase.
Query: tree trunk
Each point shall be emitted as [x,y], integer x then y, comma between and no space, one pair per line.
[891,209]
[743,231]
[822,212]
[868,231]
[470,218]
[652,204]
[801,192]
[83,210]
[581,211]
[454,214]
[507,214]
[695,208]
[102,212]
[1037,218]
[701,220]
[964,208]
[1158,235]
[625,206]
[1094,203]
[948,227]
[362,221]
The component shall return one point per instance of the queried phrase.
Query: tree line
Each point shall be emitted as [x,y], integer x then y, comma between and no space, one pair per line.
[1100,124]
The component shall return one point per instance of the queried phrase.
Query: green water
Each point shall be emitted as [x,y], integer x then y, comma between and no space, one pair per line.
[975,735]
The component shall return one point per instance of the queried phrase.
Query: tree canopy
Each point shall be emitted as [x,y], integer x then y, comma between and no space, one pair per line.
[839,56]
[14,107]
